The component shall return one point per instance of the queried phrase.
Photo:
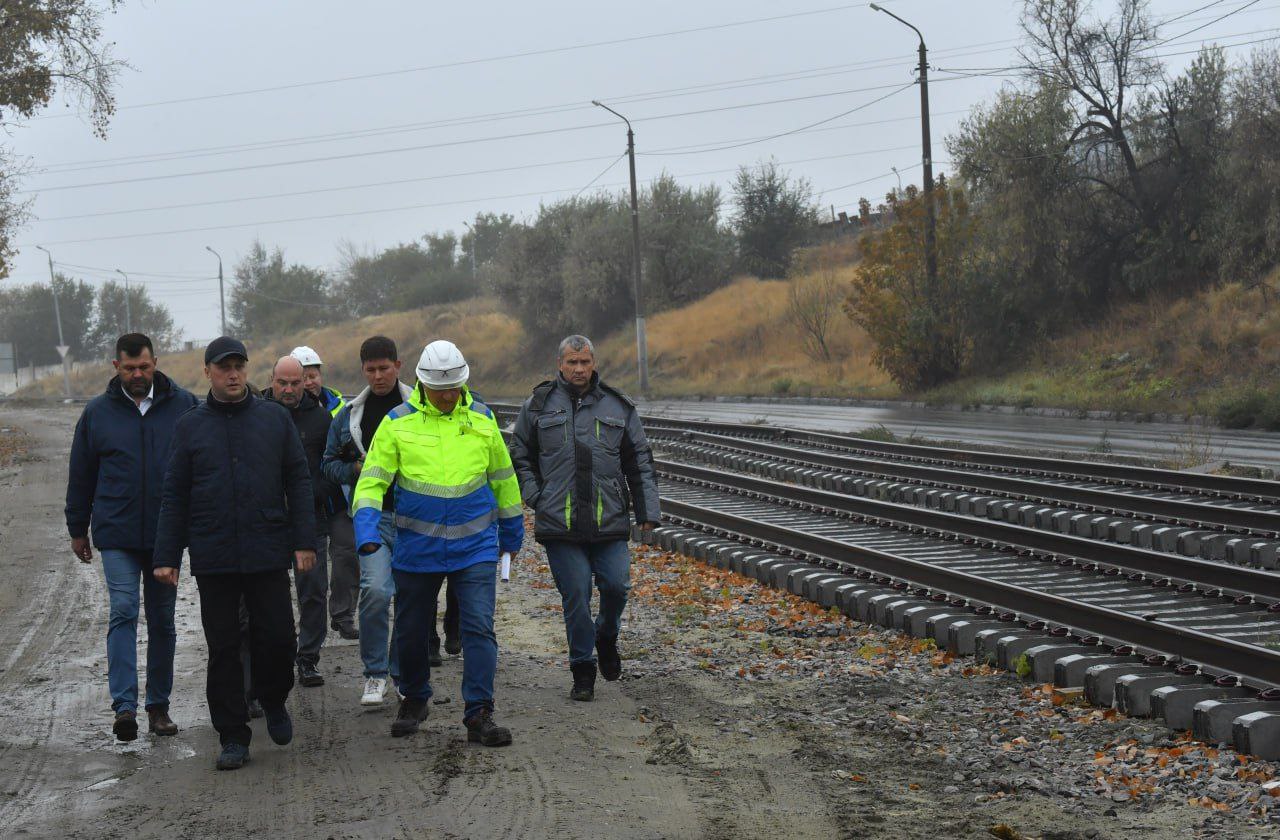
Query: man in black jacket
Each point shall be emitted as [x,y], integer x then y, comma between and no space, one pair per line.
[312,422]
[237,496]
[118,456]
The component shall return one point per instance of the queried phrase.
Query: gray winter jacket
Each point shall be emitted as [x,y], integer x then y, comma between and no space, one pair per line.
[583,463]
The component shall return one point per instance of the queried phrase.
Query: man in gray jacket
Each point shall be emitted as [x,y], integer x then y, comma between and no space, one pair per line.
[584,464]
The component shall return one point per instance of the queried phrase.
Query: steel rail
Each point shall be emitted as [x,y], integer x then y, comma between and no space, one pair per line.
[1237,580]
[1249,661]
[1231,487]
[1167,510]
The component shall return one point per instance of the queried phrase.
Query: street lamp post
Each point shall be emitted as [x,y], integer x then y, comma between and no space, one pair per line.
[57,316]
[930,222]
[471,231]
[898,175]
[642,351]
[128,314]
[222,298]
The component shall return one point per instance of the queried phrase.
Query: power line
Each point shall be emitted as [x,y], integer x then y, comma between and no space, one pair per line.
[427,205]
[1210,23]
[601,175]
[711,87]
[463,142]
[490,59]
[796,130]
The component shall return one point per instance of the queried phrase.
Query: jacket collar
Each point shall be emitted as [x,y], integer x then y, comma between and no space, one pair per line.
[592,386]
[406,392]
[233,408]
[355,412]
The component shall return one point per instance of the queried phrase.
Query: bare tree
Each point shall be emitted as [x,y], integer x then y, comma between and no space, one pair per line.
[813,301]
[1104,66]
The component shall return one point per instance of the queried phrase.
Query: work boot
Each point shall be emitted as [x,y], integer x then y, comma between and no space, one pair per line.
[346,630]
[280,725]
[608,658]
[482,729]
[308,675]
[233,756]
[433,654]
[412,712]
[126,725]
[584,681]
[159,722]
[452,645]
[255,708]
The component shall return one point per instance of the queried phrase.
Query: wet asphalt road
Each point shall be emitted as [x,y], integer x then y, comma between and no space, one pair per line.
[1049,435]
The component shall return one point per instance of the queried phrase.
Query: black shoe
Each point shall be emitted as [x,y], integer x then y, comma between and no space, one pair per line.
[346,630]
[233,757]
[452,645]
[481,728]
[126,725]
[159,722]
[280,725]
[308,676]
[255,709]
[433,655]
[608,658]
[412,712]
[584,681]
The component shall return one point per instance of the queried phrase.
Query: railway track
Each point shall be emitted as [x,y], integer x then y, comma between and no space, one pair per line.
[1190,639]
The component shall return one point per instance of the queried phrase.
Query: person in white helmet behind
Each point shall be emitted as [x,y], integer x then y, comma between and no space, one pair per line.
[313,380]
[457,509]
[345,578]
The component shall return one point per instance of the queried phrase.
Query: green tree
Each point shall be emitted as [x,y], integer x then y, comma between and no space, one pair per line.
[27,319]
[144,314]
[270,298]
[485,237]
[774,215]
[924,335]
[687,249]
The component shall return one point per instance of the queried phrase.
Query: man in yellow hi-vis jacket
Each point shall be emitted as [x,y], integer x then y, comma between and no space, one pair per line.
[457,508]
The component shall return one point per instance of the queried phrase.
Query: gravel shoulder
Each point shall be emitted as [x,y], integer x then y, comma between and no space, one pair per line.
[743,712]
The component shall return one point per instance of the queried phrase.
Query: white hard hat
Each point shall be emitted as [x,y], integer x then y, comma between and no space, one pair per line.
[306,356]
[442,366]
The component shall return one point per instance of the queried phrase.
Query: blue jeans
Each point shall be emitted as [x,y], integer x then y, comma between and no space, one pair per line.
[572,566]
[122,569]
[416,594]
[377,589]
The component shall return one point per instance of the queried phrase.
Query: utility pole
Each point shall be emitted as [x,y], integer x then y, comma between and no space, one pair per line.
[642,351]
[930,221]
[471,231]
[222,298]
[57,316]
[128,316]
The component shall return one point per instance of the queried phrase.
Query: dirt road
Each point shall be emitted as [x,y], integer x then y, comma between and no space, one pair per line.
[689,745]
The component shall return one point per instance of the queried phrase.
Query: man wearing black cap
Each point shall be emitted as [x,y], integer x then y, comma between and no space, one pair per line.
[237,495]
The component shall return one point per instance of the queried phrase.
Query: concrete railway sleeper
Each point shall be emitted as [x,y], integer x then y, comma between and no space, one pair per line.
[1045,622]
[978,499]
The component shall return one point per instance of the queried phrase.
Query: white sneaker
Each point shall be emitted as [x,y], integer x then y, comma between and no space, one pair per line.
[374,689]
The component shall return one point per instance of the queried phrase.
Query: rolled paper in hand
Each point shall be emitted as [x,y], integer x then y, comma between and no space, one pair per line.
[506,566]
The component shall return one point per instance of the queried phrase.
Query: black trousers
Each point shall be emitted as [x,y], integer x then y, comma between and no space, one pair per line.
[451,619]
[272,645]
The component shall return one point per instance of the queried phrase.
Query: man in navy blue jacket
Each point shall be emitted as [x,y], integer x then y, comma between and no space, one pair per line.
[118,458]
[237,496]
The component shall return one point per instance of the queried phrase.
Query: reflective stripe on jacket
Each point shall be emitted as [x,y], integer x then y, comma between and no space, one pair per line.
[457,498]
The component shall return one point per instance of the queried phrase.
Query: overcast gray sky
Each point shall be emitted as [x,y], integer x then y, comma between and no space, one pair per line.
[307,123]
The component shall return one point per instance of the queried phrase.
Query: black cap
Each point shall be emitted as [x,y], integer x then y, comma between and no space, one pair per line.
[224,346]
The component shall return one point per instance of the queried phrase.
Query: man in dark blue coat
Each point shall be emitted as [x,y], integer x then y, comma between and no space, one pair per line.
[237,496]
[118,458]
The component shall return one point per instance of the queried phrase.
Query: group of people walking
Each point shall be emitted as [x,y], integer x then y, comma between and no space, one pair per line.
[406,488]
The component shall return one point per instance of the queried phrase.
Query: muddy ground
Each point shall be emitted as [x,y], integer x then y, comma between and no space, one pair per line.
[742,714]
